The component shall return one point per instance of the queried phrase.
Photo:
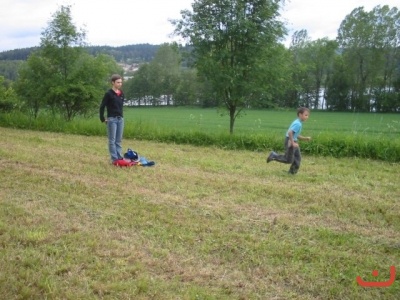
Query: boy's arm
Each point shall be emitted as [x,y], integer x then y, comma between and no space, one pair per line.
[304,138]
[291,140]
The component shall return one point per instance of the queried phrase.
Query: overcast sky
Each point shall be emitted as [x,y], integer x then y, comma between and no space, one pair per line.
[126,22]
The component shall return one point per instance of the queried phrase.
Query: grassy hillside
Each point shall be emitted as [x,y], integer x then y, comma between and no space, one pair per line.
[204,223]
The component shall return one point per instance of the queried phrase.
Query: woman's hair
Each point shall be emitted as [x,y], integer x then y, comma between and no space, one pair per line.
[301,110]
[115,77]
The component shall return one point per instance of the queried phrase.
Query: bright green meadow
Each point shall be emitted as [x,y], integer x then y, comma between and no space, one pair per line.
[266,121]
[203,223]
[362,135]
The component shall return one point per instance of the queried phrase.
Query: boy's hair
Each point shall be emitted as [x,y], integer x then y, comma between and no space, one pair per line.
[115,77]
[301,110]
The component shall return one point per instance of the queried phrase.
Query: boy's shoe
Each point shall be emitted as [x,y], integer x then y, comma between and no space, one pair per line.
[272,156]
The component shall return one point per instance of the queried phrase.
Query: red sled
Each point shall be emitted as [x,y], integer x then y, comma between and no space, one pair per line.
[123,163]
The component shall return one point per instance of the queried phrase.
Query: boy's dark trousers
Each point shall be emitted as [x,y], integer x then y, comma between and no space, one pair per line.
[292,156]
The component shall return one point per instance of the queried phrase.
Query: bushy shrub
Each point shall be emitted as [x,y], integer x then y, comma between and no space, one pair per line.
[6,106]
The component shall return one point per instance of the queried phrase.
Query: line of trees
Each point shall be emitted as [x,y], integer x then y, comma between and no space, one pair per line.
[239,63]
[234,59]
[61,76]
[360,70]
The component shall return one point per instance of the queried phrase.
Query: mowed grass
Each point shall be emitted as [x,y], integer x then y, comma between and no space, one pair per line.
[203,223]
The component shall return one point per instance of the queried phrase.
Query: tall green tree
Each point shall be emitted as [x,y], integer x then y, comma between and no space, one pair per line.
[273,78]
[370,43]
[188,89]
[61,74]
[168,63]
[387,40]
[35,78]
[312,62]
[8,97]
[139,86]
[338,87]
[319,58]
[300,93]
[228,37]
[159,78]
[9,69]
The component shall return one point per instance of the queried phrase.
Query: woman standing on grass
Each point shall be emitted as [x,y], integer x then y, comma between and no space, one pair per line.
[113,100]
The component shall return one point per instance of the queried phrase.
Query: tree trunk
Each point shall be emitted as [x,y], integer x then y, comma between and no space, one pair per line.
[232,111]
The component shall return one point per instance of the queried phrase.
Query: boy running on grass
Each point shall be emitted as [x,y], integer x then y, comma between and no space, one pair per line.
[292,150]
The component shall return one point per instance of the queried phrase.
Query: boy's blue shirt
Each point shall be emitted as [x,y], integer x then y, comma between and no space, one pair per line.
[296,128]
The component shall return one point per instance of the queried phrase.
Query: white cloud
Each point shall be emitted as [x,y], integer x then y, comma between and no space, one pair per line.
[128,22]
[323,18]
[123,22]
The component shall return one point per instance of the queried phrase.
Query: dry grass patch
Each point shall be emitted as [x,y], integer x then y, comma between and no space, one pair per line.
[203,223]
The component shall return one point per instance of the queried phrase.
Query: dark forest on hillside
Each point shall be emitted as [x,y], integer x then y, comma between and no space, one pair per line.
[129,53]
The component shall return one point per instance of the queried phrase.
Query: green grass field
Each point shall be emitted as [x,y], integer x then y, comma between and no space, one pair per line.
[370,136]
[266,121]
[203,223]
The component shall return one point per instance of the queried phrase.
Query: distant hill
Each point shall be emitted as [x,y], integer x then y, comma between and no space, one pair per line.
[17,54]
[129,56]
[123,54]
